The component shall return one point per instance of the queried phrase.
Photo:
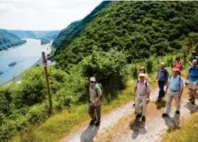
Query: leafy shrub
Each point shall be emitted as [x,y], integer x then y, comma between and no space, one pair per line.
[108,68]
[149,66]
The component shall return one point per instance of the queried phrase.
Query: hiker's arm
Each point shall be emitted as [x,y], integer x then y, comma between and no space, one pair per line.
[187,77]
[167,86]
[156,77]
[135,89]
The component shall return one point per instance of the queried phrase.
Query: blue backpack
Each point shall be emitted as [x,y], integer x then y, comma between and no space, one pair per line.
[193,69]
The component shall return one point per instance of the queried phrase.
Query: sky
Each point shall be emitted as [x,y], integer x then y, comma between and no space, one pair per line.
[43,14]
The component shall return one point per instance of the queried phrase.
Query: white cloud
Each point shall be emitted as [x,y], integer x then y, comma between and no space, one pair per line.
[43,14]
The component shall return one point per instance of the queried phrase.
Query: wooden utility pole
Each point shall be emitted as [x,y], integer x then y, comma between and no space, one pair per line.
[47,81]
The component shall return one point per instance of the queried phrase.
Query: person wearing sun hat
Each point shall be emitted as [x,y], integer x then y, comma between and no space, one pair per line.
[174,91]
[95,95]
[142,91]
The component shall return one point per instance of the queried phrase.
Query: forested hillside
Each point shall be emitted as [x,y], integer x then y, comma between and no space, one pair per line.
[139,28]
[75,28]
[8,40]
[108,44]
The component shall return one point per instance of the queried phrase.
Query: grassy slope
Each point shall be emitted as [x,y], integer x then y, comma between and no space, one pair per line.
[187,133]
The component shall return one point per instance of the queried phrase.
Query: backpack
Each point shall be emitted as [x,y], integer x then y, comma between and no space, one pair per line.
[101,88]
[191,68]
[165,73]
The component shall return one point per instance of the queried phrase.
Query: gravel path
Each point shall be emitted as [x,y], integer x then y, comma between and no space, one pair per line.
[150,132]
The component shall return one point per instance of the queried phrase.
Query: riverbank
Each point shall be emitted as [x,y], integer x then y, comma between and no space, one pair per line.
[26,56]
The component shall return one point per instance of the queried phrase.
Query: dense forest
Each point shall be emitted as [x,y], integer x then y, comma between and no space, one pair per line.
[139,28]
[8,40]
[109,44]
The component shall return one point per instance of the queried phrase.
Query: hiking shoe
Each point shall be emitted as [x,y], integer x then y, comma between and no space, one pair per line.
[97,124]
[138,116]
[159,100]
[165,115]
[193,102]
[92,122]
[190,99]
[177,112]
[143,119]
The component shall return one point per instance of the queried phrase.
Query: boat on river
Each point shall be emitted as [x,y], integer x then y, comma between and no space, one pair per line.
[12,64]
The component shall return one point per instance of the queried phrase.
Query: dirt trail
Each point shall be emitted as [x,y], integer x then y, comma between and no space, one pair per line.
[110,130]
[154,128]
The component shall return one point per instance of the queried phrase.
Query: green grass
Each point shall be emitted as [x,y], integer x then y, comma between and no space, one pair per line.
[187,133]
[60,125]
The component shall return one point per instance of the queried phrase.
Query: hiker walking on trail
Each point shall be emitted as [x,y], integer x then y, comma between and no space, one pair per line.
[192,78]
[162,77]
[178,64]
[142,91]
[174,91]
[193,57]
[95,93]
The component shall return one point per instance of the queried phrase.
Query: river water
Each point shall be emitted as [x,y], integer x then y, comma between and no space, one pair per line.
[25,55]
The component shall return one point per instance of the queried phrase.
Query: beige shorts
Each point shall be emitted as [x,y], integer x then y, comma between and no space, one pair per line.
[192,85]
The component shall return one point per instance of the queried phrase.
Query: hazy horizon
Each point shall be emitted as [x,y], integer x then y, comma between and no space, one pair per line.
[43,15]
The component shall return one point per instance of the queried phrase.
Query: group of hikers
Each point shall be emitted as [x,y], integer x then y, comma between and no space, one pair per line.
[174,89]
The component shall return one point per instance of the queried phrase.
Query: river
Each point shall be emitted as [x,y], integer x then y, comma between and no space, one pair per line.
[25,55]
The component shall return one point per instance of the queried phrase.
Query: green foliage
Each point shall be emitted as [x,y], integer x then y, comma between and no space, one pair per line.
[141,29]
[75,28]
[108,68]
[135,72]
[149,66]
[24,104]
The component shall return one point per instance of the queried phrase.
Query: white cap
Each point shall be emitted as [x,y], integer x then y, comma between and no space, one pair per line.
[162,63]
[141,75]
[92,79]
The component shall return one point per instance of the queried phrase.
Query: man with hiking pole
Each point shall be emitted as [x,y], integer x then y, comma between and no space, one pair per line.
[95,98]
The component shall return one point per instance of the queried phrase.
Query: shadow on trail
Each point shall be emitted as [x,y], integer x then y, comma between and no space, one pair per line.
[192,108]
[172,122]
[89,134]
[160,104]
[138,127]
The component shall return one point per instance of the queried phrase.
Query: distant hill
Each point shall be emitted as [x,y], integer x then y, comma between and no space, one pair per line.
[35,34]
[8,40]
[75,28]
[61,38]
[140,29]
